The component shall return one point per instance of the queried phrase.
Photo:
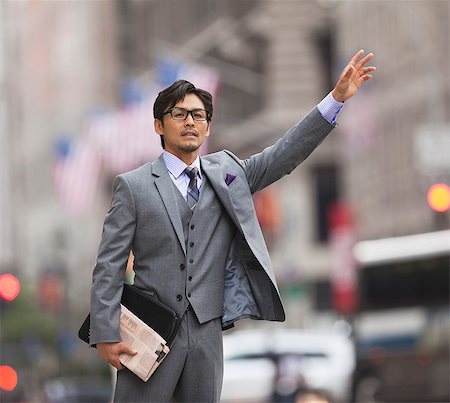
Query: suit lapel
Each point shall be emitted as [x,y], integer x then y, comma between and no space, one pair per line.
[167,192]
[215,176]
[240,212]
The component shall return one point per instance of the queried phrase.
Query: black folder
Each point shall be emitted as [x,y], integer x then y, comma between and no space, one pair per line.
[158,316]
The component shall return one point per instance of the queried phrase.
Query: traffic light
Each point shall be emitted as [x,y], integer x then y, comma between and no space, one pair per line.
[9,287]
[438,197]
[8,378]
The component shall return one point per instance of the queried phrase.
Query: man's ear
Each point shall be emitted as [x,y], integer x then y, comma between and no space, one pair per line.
[208,129]
[159,127]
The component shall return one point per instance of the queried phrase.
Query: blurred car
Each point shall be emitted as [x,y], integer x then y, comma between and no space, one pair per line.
[275,365]
[74,389]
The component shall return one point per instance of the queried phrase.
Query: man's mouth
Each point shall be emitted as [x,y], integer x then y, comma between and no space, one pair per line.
[189,133]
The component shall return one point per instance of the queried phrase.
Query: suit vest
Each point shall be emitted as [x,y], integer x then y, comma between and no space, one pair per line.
[208,232]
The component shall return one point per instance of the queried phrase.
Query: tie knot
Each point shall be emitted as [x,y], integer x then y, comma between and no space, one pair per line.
[192,172]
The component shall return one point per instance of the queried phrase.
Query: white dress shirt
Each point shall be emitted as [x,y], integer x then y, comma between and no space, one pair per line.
[176,169]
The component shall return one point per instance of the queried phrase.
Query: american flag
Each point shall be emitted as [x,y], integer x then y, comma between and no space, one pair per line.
[125,139]
[75,174]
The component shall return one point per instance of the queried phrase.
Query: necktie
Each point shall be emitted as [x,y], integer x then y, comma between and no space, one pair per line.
[192,191]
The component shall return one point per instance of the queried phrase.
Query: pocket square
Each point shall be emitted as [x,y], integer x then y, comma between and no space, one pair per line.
[229,178]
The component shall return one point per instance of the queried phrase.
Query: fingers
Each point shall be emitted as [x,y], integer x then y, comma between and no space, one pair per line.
[363,74]
[355,60]
[122,348]
[359,65]
[366,70]
[110,352]
[364,61]
[356,57]
[365,78]
[126,349]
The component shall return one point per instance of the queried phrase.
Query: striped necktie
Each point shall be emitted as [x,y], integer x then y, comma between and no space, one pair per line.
[192,191]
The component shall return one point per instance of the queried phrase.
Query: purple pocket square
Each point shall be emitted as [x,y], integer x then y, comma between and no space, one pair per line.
[230,178]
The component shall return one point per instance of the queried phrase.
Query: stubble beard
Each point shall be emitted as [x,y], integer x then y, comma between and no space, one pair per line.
[189,148]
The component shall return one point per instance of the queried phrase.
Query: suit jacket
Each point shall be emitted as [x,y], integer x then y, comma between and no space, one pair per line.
[248,272]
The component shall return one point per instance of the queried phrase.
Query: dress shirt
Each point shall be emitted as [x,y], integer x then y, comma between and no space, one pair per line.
[176,169]
[330,108]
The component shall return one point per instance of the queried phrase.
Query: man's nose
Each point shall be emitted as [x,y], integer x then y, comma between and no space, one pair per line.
[189,121]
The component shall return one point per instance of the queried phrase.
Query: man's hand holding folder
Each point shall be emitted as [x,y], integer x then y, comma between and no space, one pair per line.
[147,329]
[110,352]
[150,346]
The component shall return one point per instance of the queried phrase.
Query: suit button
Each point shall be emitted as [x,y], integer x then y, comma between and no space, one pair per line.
[179,297]
[192,226]
[191,260]
[191,244]
[190,278]
[182,266]
[189,294]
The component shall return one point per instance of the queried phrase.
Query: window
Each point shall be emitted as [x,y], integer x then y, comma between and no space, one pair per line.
[326,184]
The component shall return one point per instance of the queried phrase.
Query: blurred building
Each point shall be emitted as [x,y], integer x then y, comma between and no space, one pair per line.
[395,146]
[386,156]
[59,63]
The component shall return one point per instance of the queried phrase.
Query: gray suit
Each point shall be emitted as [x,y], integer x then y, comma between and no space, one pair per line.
[214,261]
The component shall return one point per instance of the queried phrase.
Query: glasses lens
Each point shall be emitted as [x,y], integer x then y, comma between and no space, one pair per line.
[179,114]
[199,114]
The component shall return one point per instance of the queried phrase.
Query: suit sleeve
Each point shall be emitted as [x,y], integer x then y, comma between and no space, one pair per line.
[288,152]
[108,276]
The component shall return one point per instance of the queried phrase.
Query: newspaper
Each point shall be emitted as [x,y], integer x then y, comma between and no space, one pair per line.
[150,346]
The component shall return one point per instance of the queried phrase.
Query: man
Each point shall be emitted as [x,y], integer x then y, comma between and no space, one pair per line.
[197,245]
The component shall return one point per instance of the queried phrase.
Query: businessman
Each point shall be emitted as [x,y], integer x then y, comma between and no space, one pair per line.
[197,244]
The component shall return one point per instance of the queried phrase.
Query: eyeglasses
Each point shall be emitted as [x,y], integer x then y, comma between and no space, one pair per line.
[198,115]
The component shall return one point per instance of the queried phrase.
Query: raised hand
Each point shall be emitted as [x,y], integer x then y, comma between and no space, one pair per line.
[353,76]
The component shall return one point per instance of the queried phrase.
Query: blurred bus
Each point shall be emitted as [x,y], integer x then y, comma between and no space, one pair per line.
[402,329]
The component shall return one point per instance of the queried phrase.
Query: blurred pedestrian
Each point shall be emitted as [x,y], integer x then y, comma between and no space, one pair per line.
[289,379]
[197,244]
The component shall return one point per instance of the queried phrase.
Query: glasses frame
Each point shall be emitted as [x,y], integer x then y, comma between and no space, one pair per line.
[189,112]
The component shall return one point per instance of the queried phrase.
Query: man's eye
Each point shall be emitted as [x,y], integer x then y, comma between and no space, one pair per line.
[199,114]
[178,114]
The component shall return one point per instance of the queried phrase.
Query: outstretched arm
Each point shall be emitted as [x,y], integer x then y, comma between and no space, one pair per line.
[355,74]
[280,159]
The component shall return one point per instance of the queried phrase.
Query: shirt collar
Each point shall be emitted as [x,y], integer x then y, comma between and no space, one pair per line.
[176,167]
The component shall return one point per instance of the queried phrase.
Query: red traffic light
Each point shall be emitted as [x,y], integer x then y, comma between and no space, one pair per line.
[439,197]
[8,378]
[9,287]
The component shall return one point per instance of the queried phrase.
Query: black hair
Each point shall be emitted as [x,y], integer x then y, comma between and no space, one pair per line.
[176,92]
